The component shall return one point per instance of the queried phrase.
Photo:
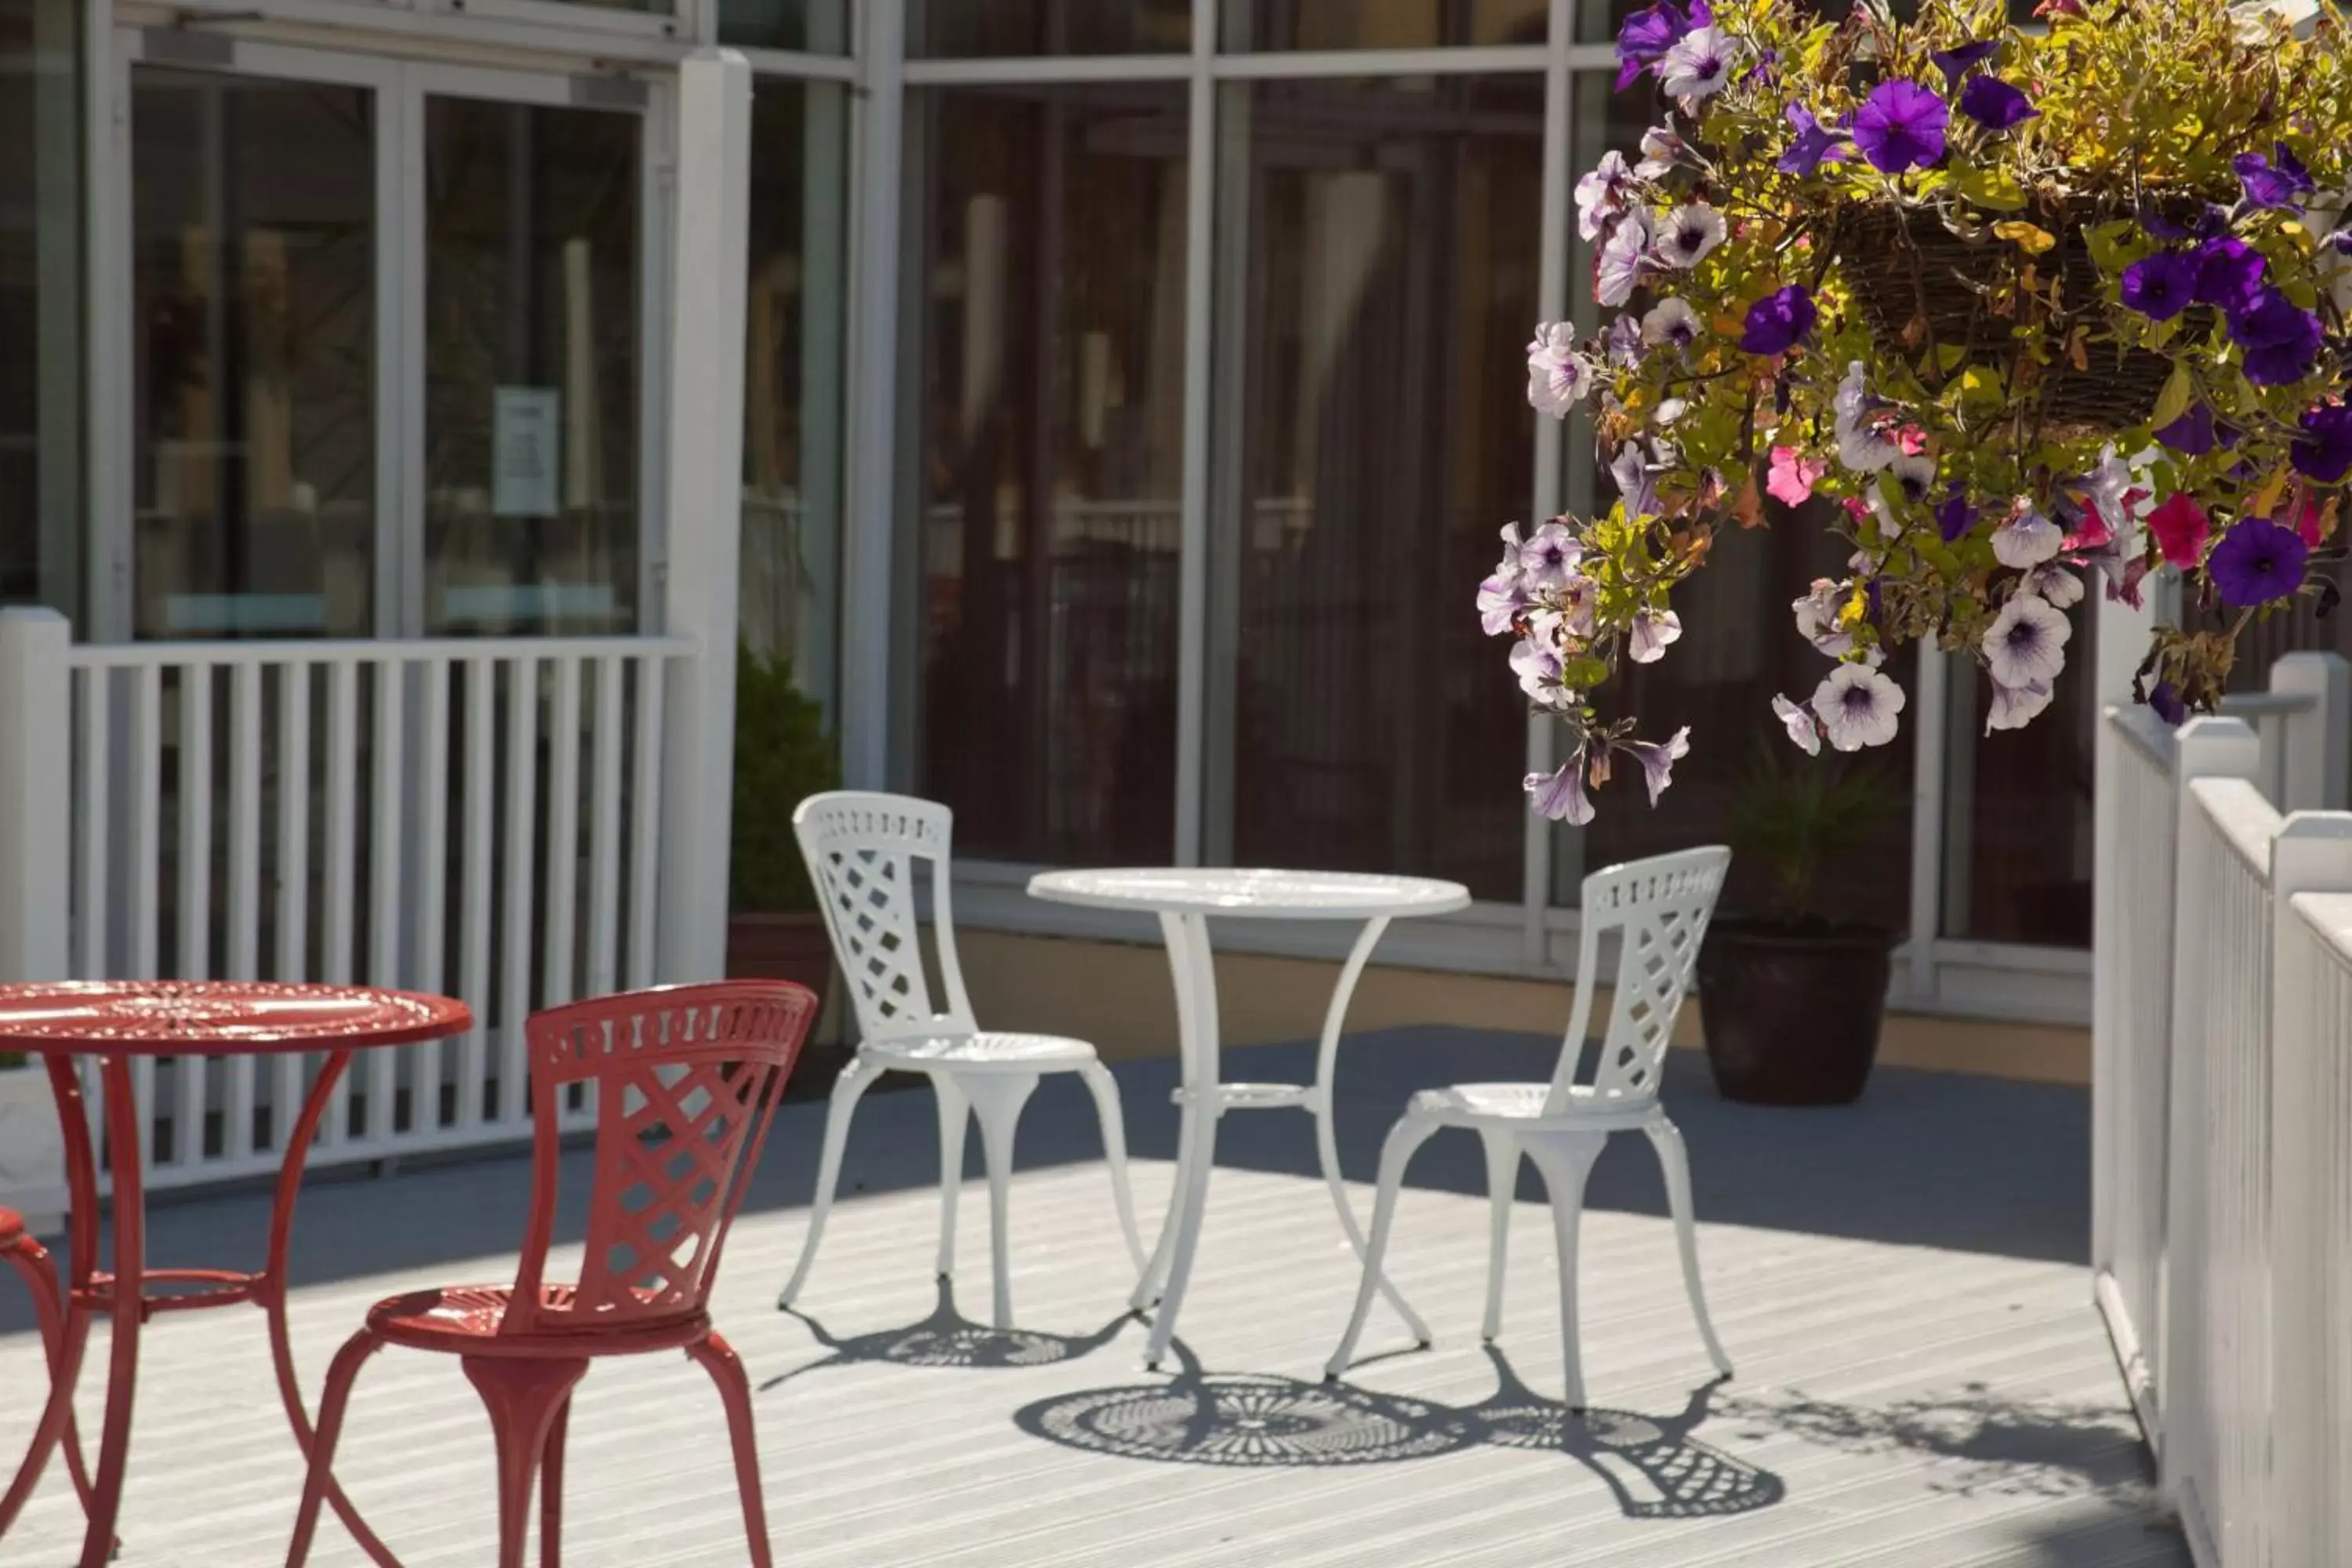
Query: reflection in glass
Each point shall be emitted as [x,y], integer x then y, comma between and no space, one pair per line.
[790,589]
[40,303]
[2017,808]
[1052,247]
[810,26]
[1383,24]
[973,27]
[255,344]
[530,368]
[1384,244]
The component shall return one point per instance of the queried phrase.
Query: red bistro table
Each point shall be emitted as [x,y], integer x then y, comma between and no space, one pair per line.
[111,1022]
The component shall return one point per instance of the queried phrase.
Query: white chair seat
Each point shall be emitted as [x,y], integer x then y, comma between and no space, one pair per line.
[983,1052]
[1522,1104]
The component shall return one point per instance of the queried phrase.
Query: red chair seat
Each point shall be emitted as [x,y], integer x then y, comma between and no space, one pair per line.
[467,1320]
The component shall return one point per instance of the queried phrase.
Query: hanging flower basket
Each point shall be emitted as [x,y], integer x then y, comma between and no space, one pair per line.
[1925,287]
[2040,311]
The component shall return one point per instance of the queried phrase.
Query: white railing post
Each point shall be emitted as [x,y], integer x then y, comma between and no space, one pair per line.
[36,792]
[705,498]
[2311,854]
[2315,770]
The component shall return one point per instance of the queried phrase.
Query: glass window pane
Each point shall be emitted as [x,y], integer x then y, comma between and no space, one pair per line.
[1051,294]
[791,581]
[530,369]
[2017,808]
[810,26]
[1596,21]
[1383,24]
[255,343]
[1387,241]
[976,27]
[40,303]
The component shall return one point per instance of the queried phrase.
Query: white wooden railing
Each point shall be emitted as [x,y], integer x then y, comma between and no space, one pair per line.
[475,818]
[2222,1121]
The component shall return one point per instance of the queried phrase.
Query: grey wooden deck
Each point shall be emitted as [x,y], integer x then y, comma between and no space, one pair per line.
[1922,1380]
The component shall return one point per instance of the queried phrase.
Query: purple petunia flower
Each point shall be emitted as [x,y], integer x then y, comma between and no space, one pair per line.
[1955,63]
[1778,321]
[2270,185]
[1815,144]
[2166,704]
[1955,517]
[2229,274]
[1901,126]
[2280,338]
[1645,35]
[2211,221]
[2324,451]
[1994,104]
[2257,563]
[2161,286]
[2194,434]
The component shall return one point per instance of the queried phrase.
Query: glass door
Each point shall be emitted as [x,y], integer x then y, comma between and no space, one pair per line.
[532,269]
[259,482]
[390,345]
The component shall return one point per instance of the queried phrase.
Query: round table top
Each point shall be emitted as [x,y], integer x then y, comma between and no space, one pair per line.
[1254,894]
[216,1017]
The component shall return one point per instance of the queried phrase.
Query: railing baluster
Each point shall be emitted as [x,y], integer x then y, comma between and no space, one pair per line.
[474,914]
[387,870]
[521,843]
[341,890]
[429,927]
[293,871]
[561,915]
[243,890]
[94,910]
[194,895]
[644,816]
[605,843]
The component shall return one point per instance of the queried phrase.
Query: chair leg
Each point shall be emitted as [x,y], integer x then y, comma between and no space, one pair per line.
[718,1358]
[955,1117]
[997,1100]
[30,1260]
[1675,1159]
[1566,1159]
[550,1489]
[1502,1187]
[846,1089]
[1105,1090]
[524,1398]
[1403,1141]
[332,1403]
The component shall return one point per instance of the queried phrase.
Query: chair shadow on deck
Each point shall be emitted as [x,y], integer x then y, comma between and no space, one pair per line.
[946,1338]
[1651,1464]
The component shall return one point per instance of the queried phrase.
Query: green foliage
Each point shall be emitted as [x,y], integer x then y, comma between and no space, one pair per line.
[783,755]
[1797,818]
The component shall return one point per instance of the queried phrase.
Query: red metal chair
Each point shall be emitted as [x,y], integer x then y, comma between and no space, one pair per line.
[31,1259]
[686,1080]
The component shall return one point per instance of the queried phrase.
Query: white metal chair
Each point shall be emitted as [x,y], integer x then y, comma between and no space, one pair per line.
[862,850]
[1659,909]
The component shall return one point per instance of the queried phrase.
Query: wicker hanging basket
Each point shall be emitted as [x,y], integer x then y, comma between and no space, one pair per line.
[1906,266]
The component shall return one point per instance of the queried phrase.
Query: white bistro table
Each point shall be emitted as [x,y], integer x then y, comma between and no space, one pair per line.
[1184,900]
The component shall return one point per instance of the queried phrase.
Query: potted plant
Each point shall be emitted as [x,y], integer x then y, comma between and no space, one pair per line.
[2022,304]
[32,1144]
[783,755]
[1790,999]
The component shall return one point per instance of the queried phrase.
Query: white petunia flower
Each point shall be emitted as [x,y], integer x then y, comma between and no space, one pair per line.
[1660,151]
[1802,727]
[2015,706]
[2027,539]
[1817,618]
[1651,632]
[2053,585]
[1561,795]
[1852,393]
[1579,602]
[1548,558]
[1670,321]
[1535,659]
[1688,233]
[1619,272]
[1559,377]
[1658,760]
[1699,64]
[1631,470]
[2026,644]
[1603,194]
[1624,340]
[1500,600]
[1857,707]
[1863,449]
[1914,476]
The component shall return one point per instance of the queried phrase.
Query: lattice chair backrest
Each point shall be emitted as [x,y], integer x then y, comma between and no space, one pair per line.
[862,850]
[687,1079]
[1658,909]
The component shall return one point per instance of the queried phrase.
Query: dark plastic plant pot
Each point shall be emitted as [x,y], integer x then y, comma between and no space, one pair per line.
[1792,1012]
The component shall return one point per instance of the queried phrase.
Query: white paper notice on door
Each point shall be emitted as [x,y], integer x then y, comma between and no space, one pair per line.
[527,435]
